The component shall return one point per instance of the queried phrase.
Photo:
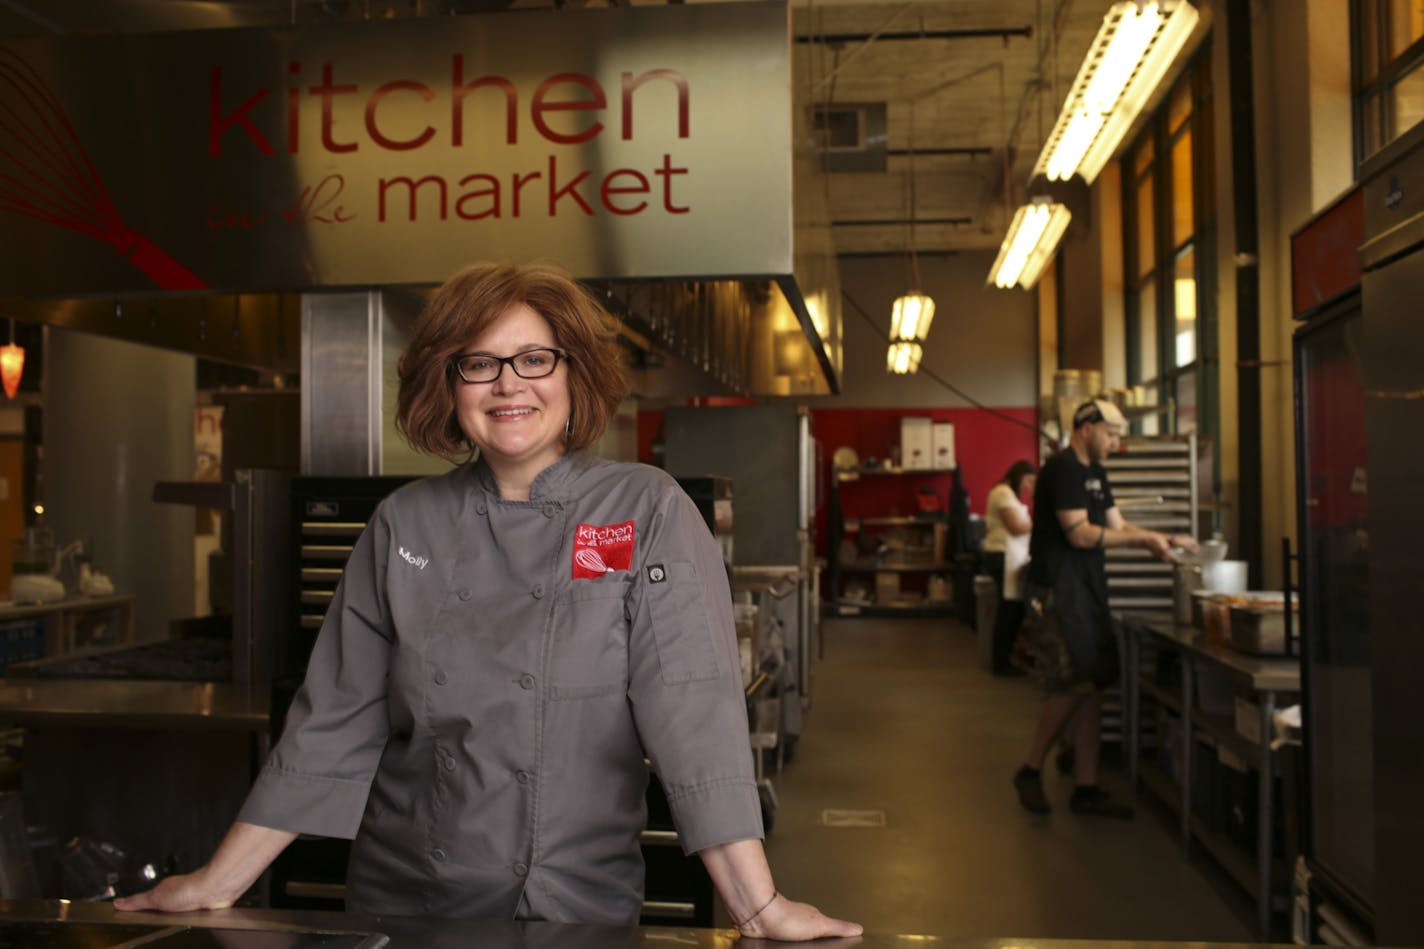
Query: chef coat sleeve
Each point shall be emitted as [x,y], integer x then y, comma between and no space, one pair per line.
[317,778]
[685,680]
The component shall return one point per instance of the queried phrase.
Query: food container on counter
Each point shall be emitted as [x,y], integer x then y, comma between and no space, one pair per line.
[1212,615]
[1258,622]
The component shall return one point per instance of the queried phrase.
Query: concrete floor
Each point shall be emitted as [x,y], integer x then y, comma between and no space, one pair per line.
[903,720]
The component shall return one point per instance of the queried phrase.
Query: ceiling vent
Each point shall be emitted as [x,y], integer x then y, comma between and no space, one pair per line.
[851,135]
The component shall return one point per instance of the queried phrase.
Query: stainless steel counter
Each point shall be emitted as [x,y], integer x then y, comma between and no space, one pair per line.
[104,703]
[1264,673]
[261,929]
[1266,682]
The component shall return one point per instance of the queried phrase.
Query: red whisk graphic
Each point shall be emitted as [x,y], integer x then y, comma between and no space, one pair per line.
[45,174]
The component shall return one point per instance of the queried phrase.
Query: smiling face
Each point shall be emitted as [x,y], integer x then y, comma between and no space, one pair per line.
[518,424]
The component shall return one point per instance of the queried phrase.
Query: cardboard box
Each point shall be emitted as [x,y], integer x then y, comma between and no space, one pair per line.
[942,445]
[887,587]
[1248,720]
[916,443]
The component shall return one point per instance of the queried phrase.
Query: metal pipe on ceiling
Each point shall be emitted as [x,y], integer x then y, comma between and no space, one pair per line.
[992,32]
[969,150]
[889,221]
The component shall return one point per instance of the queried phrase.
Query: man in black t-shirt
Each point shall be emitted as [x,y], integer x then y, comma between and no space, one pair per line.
[1072,643]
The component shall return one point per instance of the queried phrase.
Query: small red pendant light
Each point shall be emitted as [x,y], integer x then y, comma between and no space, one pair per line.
[12,364]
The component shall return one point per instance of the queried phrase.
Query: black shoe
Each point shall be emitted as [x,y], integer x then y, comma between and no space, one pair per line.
[1094,800]
[1029,784]
[1064,759]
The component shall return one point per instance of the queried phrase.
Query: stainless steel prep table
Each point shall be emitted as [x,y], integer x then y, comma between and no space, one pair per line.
[131,703]
[124,761]
[1268,679]
[256,929]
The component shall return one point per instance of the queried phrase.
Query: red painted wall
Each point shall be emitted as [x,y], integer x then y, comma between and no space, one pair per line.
[986,444]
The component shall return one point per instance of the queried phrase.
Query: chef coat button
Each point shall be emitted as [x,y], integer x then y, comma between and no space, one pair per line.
[464,594]
[522,777]
[440,678]
[437,855]
[480,508]
[521,869]
[551,508]
[538,590]
[526,681]
[449,763]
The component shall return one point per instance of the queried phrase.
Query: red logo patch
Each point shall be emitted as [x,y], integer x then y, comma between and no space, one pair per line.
[599,550]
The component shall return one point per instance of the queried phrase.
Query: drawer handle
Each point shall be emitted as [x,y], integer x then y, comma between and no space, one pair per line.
[679,910]
[303,889]
[332,529]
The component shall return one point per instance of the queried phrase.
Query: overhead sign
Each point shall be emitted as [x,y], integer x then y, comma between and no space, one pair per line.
[619,143]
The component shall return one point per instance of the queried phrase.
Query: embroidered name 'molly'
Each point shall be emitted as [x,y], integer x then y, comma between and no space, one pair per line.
[413,560]
[599,550]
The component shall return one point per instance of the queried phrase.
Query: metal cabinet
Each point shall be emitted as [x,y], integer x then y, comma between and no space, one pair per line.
[1154,484]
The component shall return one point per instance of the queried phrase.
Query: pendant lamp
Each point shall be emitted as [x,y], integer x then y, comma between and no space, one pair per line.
[12,364]
[912,311]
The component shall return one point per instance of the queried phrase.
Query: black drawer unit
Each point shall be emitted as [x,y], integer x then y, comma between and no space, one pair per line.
[328,515]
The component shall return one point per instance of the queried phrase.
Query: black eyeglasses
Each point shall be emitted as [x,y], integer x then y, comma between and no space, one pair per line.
[530,364]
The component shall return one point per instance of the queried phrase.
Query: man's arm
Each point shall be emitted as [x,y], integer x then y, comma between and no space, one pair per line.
[1118,533]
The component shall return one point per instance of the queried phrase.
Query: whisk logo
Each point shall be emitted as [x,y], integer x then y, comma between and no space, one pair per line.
[46,175]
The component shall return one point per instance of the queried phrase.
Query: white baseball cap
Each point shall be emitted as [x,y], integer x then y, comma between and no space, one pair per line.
[1099,410]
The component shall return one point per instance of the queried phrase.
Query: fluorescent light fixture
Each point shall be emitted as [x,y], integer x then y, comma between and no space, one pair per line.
[1133,50]
[903,357]
[1032,238]
[911,315]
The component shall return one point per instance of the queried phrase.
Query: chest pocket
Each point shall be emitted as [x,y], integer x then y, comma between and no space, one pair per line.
[590,641]
[678,608]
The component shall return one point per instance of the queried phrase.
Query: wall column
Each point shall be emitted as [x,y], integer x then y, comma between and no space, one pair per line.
[118,417]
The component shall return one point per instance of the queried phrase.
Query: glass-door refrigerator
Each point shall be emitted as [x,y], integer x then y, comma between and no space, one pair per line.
[1334,579]
[1358,279]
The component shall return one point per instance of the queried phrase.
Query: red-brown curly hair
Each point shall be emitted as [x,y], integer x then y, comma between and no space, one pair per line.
[463,308]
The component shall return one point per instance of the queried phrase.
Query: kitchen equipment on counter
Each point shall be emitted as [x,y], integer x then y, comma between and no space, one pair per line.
[1224,576]
[36,588]
[1258,623]
[1187,576]
[1212,615]
[34,553]
[1186,580]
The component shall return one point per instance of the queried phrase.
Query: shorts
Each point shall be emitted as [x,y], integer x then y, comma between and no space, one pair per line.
[1065,647]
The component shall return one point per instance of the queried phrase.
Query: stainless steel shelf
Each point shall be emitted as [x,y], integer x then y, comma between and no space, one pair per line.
[852,474]
[895,568]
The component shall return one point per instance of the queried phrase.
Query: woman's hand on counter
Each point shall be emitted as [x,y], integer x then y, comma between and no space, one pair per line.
[789,921]
[740,872]
[176,894]
[244,853]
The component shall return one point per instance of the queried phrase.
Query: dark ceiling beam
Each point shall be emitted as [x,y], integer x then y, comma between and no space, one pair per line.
[900,221]
[24,11]
[969,151]
[919,252]
[999,32]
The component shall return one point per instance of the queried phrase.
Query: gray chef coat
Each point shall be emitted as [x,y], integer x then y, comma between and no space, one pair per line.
[477,717]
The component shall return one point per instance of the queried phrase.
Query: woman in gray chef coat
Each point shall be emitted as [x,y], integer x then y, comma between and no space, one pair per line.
[508,642]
